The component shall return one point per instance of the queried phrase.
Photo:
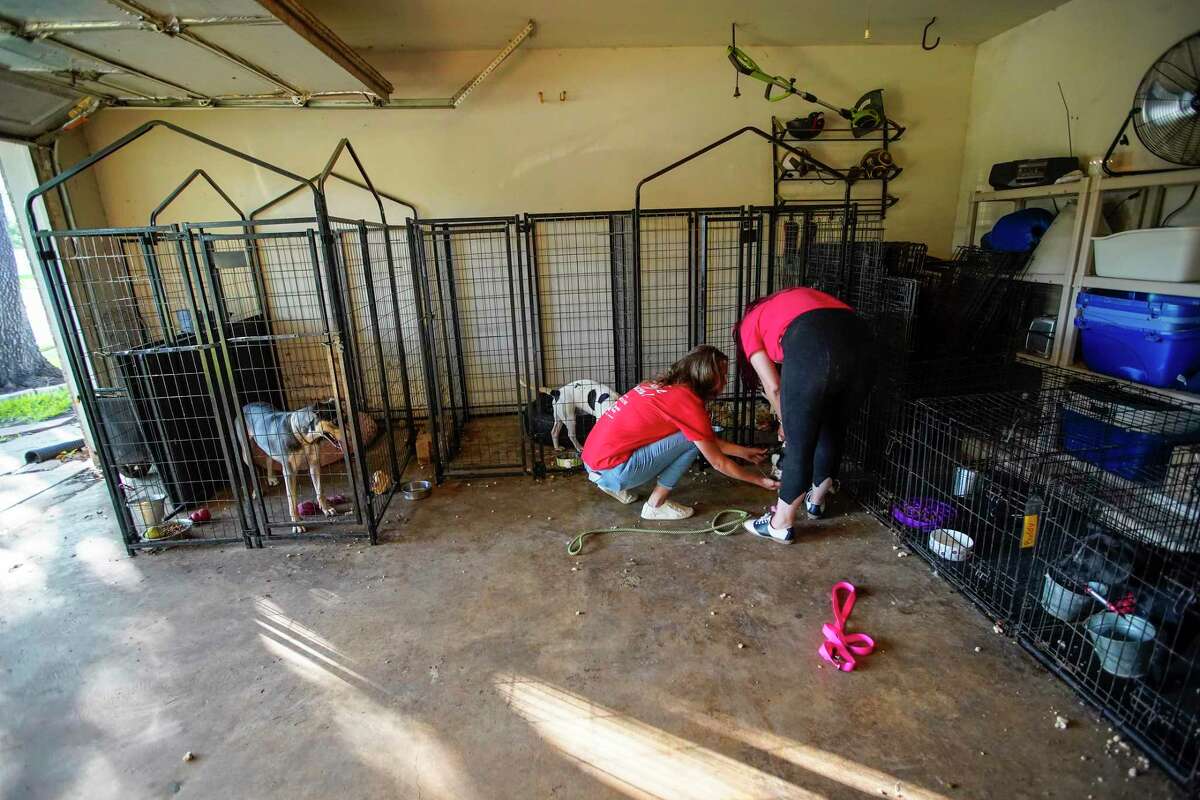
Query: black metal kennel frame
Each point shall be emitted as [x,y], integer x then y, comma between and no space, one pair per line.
[172,330]
[517,304]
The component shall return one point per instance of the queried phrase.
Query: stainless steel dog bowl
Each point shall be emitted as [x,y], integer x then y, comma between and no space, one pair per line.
[416,490]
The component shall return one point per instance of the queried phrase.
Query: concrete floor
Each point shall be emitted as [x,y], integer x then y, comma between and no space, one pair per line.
[453,661]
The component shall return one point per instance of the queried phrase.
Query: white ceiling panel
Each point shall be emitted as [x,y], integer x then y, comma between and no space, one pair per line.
[287,55]
[173,60]
[31,108]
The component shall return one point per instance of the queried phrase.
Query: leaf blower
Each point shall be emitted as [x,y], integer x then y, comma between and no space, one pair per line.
[865,116]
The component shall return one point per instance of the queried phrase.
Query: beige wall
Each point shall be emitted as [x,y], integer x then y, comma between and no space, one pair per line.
[1098,49]
[628,112]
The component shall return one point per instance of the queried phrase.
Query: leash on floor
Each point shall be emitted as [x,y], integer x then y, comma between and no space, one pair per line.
[716,526]
[839,647]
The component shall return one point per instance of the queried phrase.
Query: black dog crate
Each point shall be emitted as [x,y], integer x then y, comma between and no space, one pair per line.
[974,471]
[1112,604]
[168,388]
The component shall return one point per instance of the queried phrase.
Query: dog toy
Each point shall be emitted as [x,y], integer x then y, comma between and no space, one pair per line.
[337,499]
[200,515]
[839,647]
[307,509]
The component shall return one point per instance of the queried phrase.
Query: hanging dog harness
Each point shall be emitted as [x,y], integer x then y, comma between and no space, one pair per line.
[839,647]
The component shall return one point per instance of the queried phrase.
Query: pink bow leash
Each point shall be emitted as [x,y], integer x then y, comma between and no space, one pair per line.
[839,647]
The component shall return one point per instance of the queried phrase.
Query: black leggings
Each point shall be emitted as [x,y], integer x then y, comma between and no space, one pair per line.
[826,373]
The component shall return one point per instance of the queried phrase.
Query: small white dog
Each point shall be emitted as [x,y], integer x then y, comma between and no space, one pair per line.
[587,397]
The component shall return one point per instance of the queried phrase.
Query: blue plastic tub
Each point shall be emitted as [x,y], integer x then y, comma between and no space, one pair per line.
[1141,310]
[1137,456]
[1126,433]
[1155,358]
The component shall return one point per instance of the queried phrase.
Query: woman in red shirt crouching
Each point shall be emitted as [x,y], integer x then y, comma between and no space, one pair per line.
[657,429]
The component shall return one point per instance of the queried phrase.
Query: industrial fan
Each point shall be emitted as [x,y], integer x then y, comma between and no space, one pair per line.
[1166,110]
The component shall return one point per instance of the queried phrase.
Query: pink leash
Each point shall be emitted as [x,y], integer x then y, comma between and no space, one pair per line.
[839,647]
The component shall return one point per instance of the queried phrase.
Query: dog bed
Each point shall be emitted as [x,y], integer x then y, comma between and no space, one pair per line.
[329,454]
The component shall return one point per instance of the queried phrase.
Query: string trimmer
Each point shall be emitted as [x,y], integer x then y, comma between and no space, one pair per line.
[865,116]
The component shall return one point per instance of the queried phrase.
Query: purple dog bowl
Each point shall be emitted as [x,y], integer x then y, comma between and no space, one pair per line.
[923,514]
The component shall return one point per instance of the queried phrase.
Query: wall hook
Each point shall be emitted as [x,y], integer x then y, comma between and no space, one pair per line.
[562,96]
[925,35]
[541,98]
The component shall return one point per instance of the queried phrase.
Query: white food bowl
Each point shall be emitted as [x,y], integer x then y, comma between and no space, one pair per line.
[950,544]
[1150,254]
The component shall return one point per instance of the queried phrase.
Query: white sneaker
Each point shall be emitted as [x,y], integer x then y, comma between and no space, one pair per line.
[668,510]
[620,495]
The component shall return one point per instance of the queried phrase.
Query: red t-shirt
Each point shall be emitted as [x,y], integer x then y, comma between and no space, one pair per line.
[645,414]
[764,326]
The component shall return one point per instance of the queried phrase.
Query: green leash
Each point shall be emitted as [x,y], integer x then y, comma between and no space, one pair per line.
[736,518]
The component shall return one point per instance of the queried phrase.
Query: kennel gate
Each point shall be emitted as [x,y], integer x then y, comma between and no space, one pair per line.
[170,330]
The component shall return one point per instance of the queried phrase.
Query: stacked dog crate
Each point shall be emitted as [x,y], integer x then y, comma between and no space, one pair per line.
[1067,509]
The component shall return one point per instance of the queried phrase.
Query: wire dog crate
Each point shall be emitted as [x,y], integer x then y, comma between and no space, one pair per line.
[205,351]
[977,469]
[1112,607]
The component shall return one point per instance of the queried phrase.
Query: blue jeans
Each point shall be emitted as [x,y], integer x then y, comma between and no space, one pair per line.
[667,459]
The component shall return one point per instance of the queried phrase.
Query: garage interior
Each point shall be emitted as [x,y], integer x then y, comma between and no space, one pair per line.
[419,219]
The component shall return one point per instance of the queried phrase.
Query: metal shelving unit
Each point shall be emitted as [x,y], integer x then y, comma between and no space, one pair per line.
[882,137]
[1065,276]
[1085,276]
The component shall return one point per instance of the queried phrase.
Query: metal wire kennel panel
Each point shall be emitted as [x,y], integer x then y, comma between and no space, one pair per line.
[1112,604]
[979,468]
[481,352]
[699,269]
[878,444]
[150,381]
[178,336]
[578,275]
[292,308]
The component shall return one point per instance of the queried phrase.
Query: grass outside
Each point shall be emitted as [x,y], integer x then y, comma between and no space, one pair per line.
[34,406]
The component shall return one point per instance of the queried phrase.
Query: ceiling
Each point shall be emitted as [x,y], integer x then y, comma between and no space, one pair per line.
[61,59]
[55,55]
[485,24]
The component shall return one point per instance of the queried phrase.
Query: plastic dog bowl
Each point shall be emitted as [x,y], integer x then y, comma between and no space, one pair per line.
[416,490]
[950,544]
[923,513]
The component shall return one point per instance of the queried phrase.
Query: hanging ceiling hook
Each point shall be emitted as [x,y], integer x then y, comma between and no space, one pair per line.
[925,35]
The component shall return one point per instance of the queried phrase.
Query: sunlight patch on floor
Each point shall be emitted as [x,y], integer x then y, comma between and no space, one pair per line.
[821,762]
[632,757]
[407,751]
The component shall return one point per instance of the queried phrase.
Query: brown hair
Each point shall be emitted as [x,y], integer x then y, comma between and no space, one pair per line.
[702,370]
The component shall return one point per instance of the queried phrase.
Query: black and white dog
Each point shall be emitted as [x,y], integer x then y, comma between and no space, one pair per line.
[293,438]
[577,397]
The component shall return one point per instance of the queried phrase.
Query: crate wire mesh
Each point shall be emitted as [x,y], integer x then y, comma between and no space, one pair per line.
[172,330]
[149,378]
[1110,474]
[575,269]
[984,462]
[1132,541]
[480,317]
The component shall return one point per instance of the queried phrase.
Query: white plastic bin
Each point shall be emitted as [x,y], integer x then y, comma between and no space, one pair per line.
[1150,254]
